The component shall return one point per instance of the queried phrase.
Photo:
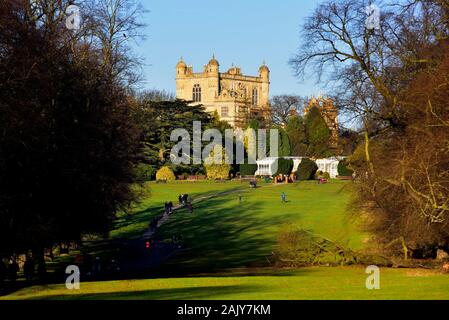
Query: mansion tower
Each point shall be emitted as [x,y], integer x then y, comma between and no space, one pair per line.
[236,98]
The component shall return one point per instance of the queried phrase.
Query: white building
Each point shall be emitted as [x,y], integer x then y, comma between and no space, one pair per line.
[268,166]
[329,165]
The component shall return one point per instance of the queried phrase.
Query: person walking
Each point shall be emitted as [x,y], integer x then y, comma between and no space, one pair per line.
[283,196]
[170,207]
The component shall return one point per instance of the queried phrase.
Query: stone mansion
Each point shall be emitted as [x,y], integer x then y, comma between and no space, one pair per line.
[236,98]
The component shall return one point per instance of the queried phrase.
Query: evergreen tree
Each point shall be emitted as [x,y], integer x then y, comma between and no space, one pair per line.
[157,120]
[318,134]
[284,143]
[296,132]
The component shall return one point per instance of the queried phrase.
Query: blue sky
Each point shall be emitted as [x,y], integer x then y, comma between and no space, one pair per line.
[244,32]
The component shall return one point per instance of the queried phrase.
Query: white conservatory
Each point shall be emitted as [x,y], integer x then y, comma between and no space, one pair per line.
[268,167]
[329,165]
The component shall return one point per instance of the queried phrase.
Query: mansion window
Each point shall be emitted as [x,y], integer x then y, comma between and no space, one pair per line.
[224,112]
[196,93]
[255,97]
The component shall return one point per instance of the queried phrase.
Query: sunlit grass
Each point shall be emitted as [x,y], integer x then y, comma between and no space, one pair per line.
[307,283]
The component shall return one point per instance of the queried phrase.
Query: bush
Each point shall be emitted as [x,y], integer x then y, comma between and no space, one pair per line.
[326,175]
[217,170]
[247,169]
[187,170]
[165,173]
[306,169]
[343,169]
[144,172]
[285,166]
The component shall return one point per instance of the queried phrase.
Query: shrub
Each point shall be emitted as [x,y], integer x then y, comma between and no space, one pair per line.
[285,166]
[306,169]
[165,173]
[217,170]
[343,169]
[326,175]
[247,169]
[187,170]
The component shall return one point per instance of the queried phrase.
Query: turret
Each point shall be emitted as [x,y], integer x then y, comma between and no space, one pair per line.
[213,66]
[212,70]
[181,68]
[264,74]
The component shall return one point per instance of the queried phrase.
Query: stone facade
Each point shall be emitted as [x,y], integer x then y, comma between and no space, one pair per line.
[330,114]
[236,98]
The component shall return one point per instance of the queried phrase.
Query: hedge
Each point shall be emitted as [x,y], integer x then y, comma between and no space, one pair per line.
[285,166]
[343,169]
[306,169]
[247,169]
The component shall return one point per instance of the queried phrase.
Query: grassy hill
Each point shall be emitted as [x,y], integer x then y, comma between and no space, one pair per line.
[227,242]
[306,283]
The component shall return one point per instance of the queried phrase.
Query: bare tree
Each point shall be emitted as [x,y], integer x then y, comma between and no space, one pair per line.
[115,25]
[283,106]
[391,79]
[157,95]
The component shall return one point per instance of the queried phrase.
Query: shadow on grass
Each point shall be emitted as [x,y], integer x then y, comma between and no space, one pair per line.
[190,293]
[141,218]
[223,233]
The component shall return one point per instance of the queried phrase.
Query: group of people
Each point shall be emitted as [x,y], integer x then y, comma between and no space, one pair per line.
[185,201]
[283,178]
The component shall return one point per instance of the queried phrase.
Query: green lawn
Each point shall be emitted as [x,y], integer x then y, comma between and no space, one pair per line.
[157,194]
[227,244]
[306,283]
[224,233]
